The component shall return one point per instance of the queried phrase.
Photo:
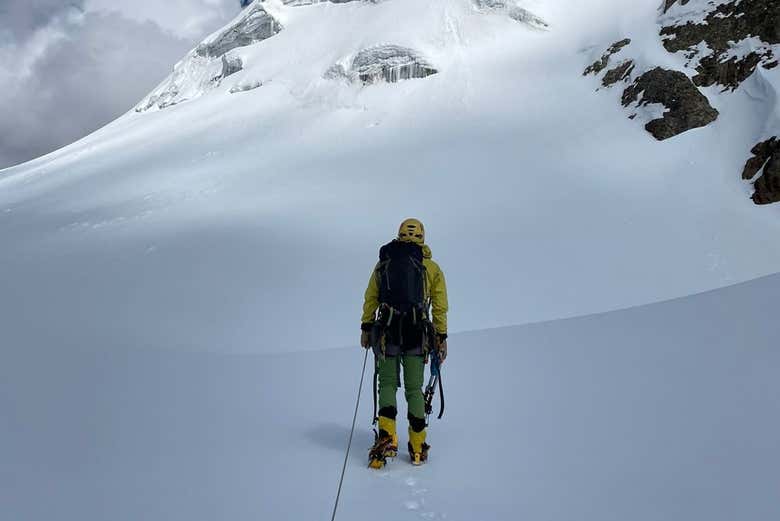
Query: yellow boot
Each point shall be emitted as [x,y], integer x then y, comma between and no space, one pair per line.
[385,445]
[418,449]
[387,425]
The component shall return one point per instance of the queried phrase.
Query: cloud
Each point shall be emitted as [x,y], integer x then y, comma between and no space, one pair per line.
[18,18]
[185,18]
[69,68]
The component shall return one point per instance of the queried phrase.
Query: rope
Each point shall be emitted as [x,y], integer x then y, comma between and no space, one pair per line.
[349,444]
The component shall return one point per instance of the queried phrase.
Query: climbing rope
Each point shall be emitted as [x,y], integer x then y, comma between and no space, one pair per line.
[351,432]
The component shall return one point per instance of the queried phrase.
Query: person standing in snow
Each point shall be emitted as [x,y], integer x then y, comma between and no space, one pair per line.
[405,289]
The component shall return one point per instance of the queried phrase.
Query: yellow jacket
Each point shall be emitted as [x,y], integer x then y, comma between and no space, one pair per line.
[437,292]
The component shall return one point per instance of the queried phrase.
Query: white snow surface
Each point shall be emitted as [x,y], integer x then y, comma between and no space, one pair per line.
[668,411]
[250,221]
[176,290]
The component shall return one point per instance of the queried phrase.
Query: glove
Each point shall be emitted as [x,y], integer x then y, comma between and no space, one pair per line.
[365,339]
[441,347]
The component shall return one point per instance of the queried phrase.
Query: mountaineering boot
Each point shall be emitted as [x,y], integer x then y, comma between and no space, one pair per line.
[377,456]
[418,449]
[387,426]
[385,445]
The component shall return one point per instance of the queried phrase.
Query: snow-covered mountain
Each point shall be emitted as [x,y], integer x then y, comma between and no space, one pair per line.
[176,289]
[241,204]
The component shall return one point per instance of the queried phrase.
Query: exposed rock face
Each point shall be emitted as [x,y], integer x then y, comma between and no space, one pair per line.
[254,26]
[724,42]
[687,107]
[725,30]
[670,3]
[390,63]
[602,63]
[619,73]
[514,11]
[765,160]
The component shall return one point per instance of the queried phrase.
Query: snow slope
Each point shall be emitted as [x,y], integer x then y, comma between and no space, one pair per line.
[176,290]
[249,221]
[668,411]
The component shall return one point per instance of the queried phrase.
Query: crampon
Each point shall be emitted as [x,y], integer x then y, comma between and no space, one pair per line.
[418,458]
[384,447]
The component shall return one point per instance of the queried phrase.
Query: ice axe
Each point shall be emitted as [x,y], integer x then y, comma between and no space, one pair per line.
[430,389]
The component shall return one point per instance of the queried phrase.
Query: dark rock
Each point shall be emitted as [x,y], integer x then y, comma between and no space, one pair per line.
[390,63]
[724,26]
[766,159]
[730,73]
[598,66]
[687,107]
[670,3]
[255,25]
[619,73]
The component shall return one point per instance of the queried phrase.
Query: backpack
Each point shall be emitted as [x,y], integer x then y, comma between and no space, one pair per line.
[402,277]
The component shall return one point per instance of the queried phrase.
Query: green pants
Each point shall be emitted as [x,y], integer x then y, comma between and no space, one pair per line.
[389,381]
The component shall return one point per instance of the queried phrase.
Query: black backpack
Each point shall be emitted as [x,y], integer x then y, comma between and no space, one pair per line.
[401,276]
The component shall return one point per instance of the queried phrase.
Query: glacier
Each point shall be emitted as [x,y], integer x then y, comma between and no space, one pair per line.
[180,291]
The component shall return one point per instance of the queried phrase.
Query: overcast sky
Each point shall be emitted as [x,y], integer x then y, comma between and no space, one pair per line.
[67,67]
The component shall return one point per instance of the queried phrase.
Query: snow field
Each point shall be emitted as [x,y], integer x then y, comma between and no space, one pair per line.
[177,289]
[667,411]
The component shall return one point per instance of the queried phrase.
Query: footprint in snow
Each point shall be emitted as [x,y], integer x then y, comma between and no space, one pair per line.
[413,504]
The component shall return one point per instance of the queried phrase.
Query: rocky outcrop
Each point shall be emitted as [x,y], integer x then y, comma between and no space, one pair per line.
[388,63]
[723,42]
[729,43]
[254,26]
[670,3]
[620,73]
[684,106]
[601,64]
[687,108]
[766,162]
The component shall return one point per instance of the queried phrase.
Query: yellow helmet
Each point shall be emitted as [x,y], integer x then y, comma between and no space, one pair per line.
[412,230]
